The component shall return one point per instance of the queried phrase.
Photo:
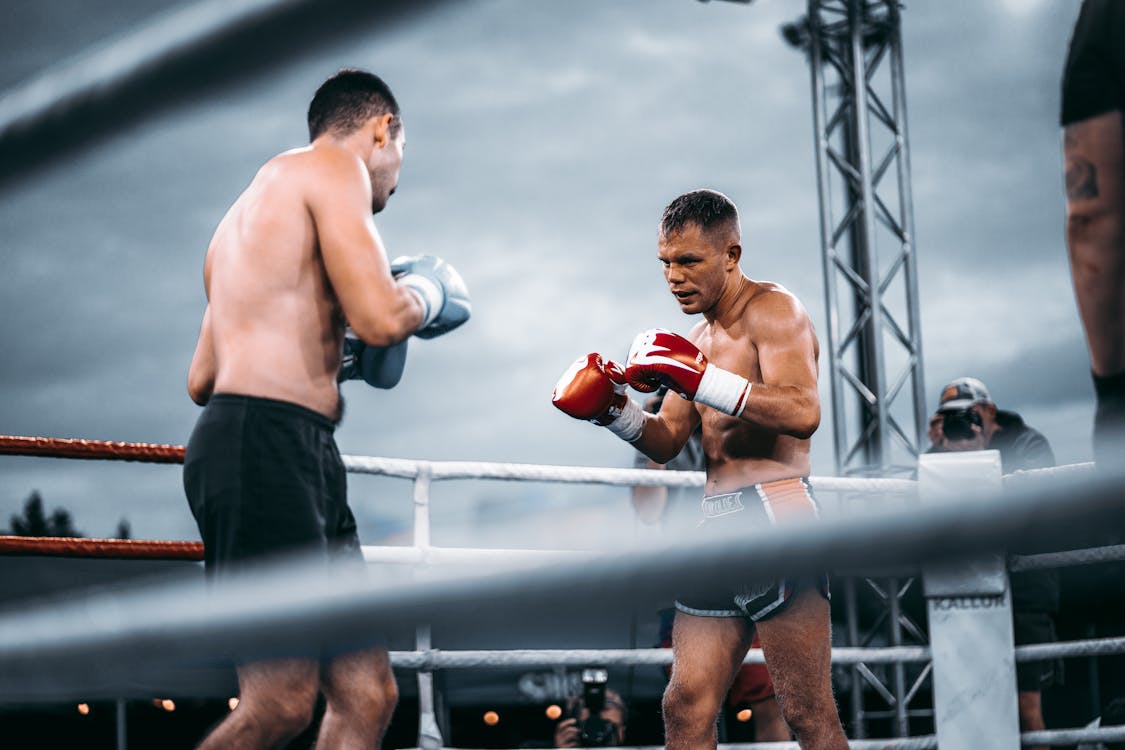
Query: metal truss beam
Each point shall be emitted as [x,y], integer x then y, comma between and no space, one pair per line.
[867,232]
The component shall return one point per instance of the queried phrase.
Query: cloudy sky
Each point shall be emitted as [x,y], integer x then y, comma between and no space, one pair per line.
[544,139]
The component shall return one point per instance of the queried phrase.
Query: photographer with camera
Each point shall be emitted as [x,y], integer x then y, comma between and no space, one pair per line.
[594,719]
[968,420]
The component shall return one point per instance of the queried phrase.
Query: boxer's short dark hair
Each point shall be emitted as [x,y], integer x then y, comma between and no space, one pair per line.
[347,100]
[706,209]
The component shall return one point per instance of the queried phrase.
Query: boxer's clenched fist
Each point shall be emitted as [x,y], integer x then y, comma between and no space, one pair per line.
[378,366]
[439,287]
[593,389]
[659,357]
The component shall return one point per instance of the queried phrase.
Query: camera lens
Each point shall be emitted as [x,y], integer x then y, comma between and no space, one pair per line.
[597,732]
[958,424]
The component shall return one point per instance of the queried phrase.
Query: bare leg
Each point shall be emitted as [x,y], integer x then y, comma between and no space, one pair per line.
[1095,234]
[276,702]
[1031,714]
[769,726]
[706,654]
[797,643]
[361,694]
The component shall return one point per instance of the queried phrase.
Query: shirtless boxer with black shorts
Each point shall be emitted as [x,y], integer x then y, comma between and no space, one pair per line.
[748,373]
[295,262]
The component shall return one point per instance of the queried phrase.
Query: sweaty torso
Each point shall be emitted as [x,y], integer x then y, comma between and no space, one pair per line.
[741,453]
[276,325]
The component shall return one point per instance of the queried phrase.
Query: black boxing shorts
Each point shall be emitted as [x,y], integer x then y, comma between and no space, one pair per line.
[264,477]
[766,504]
[1094,76]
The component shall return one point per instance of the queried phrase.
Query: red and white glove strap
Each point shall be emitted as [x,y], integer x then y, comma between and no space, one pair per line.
[630,423]
[723,390]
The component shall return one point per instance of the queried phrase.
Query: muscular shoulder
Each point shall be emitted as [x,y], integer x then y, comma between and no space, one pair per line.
[317,170]
[773,308]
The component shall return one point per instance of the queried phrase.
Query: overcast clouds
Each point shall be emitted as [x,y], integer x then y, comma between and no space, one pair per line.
[544,138]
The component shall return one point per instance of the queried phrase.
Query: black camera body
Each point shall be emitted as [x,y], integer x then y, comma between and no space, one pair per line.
[595,731]
[957,424]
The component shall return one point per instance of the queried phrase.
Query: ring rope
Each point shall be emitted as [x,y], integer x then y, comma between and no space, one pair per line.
[1071,736]
[24,546]
[436,659]
[1087,647]
[1111,553]
[1026,477]
[188,550]
[14,445]
[1052,737]
[923,742]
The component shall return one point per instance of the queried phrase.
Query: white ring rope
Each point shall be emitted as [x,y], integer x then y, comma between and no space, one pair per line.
[1088,647]
[928,742]
[440,470]
[436,659]
[1028,477]
[433,556]
[1112,553]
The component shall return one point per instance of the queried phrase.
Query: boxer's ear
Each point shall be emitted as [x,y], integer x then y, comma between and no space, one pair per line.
[382,130]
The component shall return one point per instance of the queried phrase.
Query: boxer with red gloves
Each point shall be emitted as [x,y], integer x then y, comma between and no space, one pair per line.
[747,373]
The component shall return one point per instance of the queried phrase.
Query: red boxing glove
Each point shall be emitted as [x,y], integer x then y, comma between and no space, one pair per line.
[659,357]
[594,389]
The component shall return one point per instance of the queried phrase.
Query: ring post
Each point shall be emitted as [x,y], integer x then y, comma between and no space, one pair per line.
[429,733]
[122,742]
[970,615]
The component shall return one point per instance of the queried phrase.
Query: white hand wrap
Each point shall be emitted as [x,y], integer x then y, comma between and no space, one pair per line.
[723,390]
[428,292]
[630,423]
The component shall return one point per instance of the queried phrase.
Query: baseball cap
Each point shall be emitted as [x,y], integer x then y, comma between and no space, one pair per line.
[963,393]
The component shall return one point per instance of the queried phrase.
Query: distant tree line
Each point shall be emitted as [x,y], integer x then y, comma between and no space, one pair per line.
[34,521]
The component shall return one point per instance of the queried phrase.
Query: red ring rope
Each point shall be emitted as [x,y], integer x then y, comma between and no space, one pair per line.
[92,449]
[102,548]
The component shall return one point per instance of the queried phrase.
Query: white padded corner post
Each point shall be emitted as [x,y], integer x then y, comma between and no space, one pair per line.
[970,617]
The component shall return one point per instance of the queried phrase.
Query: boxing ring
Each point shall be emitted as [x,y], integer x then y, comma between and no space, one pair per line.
[91,641]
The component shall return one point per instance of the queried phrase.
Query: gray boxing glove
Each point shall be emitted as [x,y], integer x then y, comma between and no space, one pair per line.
[378,366]
[441,289]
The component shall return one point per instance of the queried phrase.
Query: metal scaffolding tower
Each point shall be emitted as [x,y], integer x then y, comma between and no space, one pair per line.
[867,226]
